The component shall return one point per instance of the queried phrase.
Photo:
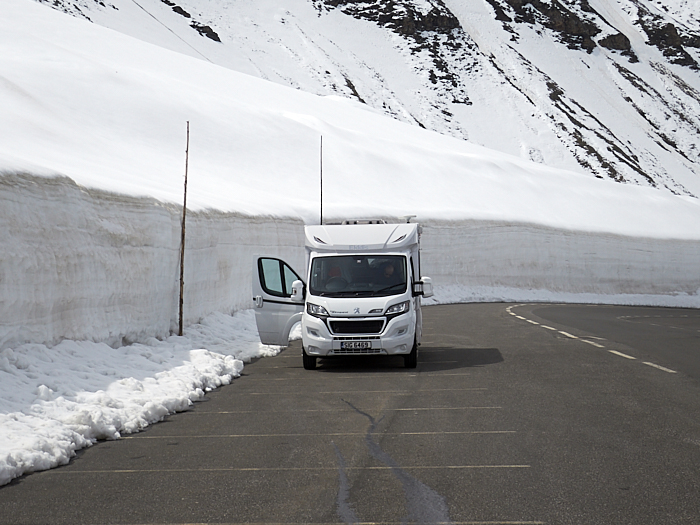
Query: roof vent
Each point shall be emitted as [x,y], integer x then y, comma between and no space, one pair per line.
[364,221]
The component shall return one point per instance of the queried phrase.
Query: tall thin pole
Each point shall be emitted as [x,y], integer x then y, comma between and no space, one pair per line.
[182,239]
[321,180]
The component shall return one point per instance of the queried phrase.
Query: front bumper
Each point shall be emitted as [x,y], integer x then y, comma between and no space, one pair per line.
[396,337]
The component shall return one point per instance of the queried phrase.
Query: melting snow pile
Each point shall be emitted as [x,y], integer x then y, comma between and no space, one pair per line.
[58,400]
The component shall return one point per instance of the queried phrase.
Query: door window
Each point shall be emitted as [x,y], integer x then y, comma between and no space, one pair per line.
[289,278]
[276,277]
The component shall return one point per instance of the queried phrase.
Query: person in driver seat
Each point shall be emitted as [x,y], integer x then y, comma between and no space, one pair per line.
[389,276]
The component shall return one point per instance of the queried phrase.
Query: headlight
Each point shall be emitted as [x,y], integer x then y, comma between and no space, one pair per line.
[398,309]
[316,310]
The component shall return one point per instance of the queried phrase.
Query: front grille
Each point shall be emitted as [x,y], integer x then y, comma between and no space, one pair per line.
[357,351]
[357,338]
[357,327]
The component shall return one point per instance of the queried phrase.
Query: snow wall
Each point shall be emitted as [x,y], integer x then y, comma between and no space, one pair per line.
[471,261]
[85,264]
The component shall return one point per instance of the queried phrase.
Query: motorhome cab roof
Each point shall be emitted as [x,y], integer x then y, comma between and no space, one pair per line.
[361,237]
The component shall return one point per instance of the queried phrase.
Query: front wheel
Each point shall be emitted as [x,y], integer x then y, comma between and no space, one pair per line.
[411,360]
[309,361]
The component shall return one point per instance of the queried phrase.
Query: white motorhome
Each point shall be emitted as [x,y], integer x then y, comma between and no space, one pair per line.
[360,294]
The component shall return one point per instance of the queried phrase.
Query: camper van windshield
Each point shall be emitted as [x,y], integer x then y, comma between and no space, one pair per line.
[358,275]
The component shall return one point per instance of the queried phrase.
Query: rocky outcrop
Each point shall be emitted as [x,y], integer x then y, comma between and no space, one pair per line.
[401,17]
[202,29]
[666,37]
[619,42]
[572,28]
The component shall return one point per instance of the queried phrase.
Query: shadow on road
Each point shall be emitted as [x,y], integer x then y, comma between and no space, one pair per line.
[460,357]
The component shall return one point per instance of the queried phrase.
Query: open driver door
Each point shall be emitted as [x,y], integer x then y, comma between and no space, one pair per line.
[278,305]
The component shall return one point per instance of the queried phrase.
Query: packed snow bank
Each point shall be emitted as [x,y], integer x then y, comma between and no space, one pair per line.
[60,399]
[472,261]
[90,265]
[456,294]
[85,264]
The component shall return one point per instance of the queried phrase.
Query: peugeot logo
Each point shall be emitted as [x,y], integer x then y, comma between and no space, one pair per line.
[357,310]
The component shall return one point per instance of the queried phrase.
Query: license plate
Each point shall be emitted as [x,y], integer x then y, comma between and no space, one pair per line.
[355,345]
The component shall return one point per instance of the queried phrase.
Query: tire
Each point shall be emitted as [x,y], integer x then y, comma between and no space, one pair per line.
[309,361]
[411,360]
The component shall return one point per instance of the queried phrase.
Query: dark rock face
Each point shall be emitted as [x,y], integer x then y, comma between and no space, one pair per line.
[573,29]
[205,31]
[619,42]
[202,29]
[665,36]
[401,17]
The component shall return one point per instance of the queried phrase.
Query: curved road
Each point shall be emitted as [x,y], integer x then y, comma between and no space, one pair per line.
[667,336]
[516,414]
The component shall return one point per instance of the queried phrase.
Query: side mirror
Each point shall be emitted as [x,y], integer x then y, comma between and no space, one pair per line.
[298,292]
[427,285]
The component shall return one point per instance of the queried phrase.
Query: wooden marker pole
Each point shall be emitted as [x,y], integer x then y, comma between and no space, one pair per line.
[182,239]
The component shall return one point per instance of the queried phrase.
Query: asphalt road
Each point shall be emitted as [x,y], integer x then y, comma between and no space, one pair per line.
[668,336]
[516,414]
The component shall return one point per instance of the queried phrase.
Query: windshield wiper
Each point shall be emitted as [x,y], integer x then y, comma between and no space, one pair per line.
[357,293]
[388,288]
[344,293]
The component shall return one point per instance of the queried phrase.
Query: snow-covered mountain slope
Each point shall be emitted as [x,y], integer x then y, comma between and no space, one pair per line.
[109,112]
[610,88]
